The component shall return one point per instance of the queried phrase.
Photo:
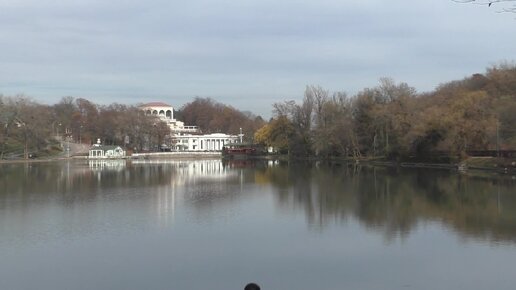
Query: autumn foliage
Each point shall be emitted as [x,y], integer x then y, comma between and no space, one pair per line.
[213,117]
[392,120]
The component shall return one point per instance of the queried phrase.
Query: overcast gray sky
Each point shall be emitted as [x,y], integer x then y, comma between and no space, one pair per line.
[246,53]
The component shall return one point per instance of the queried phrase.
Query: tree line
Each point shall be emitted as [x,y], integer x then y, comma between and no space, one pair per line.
[389,120]
[392,120]
[214,117]
[28,126]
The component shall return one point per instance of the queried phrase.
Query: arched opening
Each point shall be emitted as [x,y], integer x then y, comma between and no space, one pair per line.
[169,114]
[154,112]
[162,113]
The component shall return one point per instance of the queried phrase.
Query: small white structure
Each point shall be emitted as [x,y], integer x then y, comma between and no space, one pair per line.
[98,151]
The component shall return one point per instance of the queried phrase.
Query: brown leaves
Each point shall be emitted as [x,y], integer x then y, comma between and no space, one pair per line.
[214,117]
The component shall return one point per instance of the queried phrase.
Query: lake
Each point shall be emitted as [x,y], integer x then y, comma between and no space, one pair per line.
[208,224]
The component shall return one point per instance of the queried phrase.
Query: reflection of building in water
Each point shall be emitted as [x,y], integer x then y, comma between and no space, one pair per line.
[165,185]
[101,164]
[212,169]
[187,138]
[165,205]
[190,170]
[182,172]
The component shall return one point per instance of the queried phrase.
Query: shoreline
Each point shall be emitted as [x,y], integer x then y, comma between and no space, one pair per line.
[490,164]
[136,156]
[14,161]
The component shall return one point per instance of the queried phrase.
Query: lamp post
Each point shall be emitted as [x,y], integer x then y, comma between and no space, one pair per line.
[497,139]
[25,139]
[80,129]
[57,130]
[67,137]
[53,129]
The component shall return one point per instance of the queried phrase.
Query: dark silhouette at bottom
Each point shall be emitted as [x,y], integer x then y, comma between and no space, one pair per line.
[252,286]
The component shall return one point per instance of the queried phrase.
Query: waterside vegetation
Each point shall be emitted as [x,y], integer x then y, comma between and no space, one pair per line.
[30,129]
[388,122]
[394,122]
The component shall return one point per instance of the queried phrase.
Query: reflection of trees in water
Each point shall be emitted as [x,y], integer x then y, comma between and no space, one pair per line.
[395,201]
[75,181]
[327,198]
[204,182]
[388,200]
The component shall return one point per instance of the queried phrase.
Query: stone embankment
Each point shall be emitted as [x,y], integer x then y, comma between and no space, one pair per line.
[183,154]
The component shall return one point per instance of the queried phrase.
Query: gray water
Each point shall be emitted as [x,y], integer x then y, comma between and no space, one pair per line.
[206,224]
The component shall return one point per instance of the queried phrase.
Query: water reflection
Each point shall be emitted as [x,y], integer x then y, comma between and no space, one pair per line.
[391,201]
[396,201]
[156,186]
[100,165]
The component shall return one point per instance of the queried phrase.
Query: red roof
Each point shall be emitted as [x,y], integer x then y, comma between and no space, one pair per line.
[156,104]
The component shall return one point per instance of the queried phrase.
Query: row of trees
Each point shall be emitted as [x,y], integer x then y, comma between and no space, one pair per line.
[393,120]
[390,120]
[28,126]
[213,117]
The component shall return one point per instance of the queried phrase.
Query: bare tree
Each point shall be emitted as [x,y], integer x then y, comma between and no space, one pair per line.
[501,5]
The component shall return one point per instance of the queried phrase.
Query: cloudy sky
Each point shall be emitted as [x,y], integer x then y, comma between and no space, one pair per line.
[245,53]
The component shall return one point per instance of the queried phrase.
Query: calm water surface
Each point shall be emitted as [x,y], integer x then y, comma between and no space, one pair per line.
[211,225]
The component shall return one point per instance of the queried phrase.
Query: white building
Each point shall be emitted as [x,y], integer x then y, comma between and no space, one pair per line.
[166,114]
[188,138]
[98,151]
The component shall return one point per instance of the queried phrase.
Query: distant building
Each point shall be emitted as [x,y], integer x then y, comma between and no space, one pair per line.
[98,151]
[166,114]
[187,138]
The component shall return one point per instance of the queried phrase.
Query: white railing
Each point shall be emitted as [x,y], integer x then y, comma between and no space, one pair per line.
[190,129]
